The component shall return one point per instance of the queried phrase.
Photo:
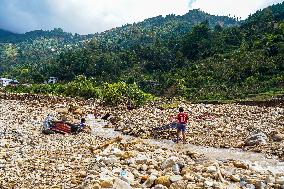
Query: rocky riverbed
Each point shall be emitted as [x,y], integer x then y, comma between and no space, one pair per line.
[30,159]
[253,128]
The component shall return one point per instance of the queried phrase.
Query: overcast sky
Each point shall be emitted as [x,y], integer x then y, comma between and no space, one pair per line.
[91,16]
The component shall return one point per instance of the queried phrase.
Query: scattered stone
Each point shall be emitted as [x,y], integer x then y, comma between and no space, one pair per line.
[240,164]
[179,185]
[250,186]
[260,185]
[175,178]
[163,180]
[83,174]
[150,181]
[256,139]
[278,137]
[176,169]
[128,177]
[110,160]
[211,169]
[270,179]
[235,178]
[208,184]
[144,167]
[233,186]
[189,177]
[96,186]
[160,186]
[141,159]
[192,186]
[93,161]
[120,184]
[106,183]
[169,162]
[280,180]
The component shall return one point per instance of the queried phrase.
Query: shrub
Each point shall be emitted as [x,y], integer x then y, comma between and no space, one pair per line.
[111,94]
[122,93]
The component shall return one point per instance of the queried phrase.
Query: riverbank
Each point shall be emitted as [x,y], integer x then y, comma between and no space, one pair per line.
[30,159]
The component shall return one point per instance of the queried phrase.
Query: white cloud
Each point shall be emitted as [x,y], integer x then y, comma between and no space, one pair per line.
[99,15]
[239,8]
[85,16]
[90,16]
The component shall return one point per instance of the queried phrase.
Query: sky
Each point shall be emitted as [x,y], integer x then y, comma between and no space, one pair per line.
[91,16]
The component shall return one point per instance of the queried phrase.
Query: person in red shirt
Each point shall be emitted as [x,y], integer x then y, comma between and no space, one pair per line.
[182,121]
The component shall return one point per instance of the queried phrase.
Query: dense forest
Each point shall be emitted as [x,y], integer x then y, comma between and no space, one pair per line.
[197,55]
[22,55]
[36,50]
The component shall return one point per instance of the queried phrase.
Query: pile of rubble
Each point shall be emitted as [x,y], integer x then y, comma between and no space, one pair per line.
[30,159]
[259,129]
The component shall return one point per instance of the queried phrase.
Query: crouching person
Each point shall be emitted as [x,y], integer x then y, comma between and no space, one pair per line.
[75,129]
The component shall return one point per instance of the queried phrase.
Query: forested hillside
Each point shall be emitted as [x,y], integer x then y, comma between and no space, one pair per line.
[22,55]
[158,28]
[36,52]
[196,56]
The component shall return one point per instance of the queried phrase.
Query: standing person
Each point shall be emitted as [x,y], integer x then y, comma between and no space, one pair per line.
[182,121]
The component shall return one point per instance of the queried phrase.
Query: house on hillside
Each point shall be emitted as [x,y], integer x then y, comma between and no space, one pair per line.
[14,83]
[52,80]
[4,82]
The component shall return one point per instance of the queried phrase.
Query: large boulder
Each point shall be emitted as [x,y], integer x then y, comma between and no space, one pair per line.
[256,139]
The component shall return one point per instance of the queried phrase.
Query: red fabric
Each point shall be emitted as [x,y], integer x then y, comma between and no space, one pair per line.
[61,127]
[182,117]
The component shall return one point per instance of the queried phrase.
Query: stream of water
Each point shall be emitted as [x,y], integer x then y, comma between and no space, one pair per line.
[257,161]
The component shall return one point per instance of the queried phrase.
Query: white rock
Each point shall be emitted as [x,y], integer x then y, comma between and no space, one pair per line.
[235,178]
[280,180]
[144,167]
[150,181]
[270,179]
[256,139]
[208,184]
[175,178]
[232,186]
[129,177]
[250,186]
[211,169]
[120,184]
[141,159]
[116,151]
[110,160]
[169,162]
[160,186]
[116,171]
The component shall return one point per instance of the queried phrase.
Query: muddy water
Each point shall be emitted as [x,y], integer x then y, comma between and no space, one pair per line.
[257,161]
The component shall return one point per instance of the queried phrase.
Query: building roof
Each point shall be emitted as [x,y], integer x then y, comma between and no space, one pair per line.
[6,79]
